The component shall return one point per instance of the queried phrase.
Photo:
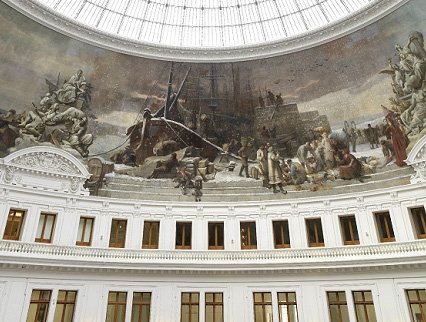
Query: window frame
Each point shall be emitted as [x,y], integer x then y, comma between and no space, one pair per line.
[263,305]
[7,234]
[183,232]
[251,242]
[388,227]
[65,303]
[80,242]
[38,304]
[286,303]
[364,303]
[42,238]
[141,305]
[150,244]
[418,217]
[116,304]
[282,232]
[191,304]
[317,242]
[351,221]
[339,303]
[215,225]
[117,244]
[214,305]
[418,301]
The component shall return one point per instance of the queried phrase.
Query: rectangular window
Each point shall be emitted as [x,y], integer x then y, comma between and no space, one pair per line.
[314,231]
[287,307]
[118,233]
[151,234]
[216,233]
[384,226]
[116,310]
[419,220]
[364,306]
[248,235]
[39,306]
[45,228]
[85,231]
[65,304]
[141,307]
[281,234]
[183,235]
[15,219]
[190,306]
[214,307]
[417,302]
[262,306]
[337,306]
[349,230]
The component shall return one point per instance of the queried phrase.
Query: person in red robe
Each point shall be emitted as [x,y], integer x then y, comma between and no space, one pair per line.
[399,139]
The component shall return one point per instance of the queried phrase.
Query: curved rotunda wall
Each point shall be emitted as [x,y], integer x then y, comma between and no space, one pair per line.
[343,83]
[44,153]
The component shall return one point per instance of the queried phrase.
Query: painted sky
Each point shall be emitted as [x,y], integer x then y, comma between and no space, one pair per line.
[339,79]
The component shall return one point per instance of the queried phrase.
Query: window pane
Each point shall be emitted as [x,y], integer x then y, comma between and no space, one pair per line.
[39,306]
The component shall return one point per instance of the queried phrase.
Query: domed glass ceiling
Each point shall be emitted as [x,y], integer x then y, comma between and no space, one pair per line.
[206,23]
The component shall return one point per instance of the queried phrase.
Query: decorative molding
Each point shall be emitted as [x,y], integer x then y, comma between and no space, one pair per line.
[371,13]
[417,159]
[367,256]
[45,168]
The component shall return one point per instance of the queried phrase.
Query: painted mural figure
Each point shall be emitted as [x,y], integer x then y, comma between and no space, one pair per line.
[72,89]
[350,168]
[372,136]
[297,172]
[274,171]
[262,158]
[387,150]
[328,151]
[243,153]
[414,118]
[198,186]
[399,139]
[33,124]
[165,166]
[302,153]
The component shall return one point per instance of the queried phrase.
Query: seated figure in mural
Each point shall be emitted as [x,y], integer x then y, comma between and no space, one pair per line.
[165,166]
[350,167]
[414,118]
[75,122]
[297,172]
[77,137]
[32,123]
[414,67]
[71,89]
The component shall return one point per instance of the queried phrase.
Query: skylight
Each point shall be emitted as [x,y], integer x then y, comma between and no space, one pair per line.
[205,23]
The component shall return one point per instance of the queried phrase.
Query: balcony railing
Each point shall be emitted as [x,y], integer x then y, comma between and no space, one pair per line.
[349,256]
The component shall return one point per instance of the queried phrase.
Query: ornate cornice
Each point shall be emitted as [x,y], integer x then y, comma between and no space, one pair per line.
[417,159]
[45,168]
[371,13]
